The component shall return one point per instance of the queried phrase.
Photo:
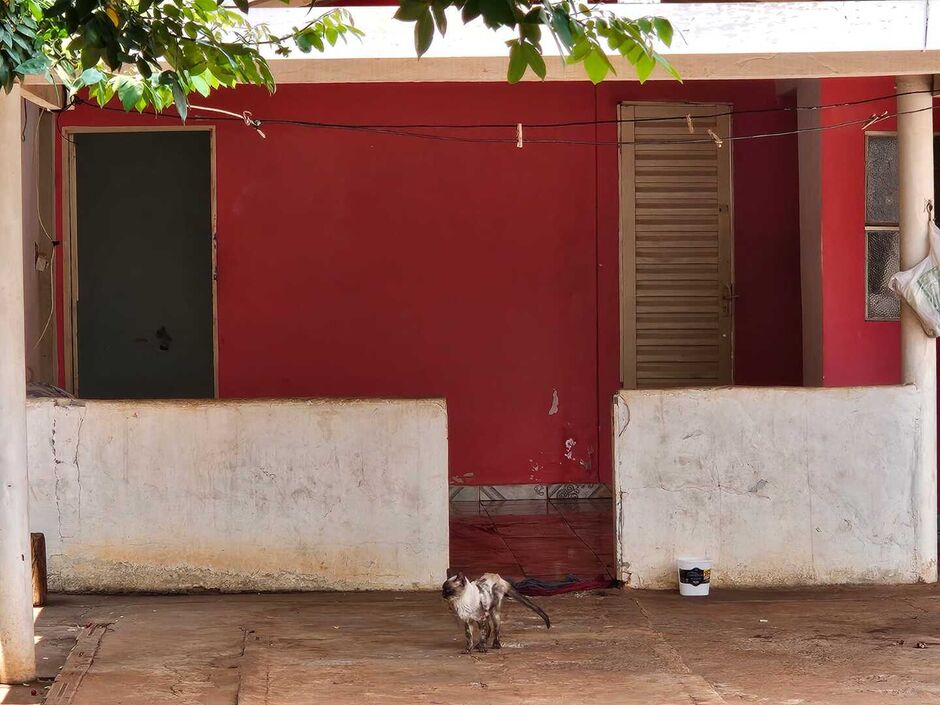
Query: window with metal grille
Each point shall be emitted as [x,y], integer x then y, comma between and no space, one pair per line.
[882,239]
[882,254]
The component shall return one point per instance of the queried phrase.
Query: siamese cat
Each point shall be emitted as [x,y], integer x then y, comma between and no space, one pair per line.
[479,602]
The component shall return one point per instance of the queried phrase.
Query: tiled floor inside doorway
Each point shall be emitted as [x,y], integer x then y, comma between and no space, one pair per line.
[545,539]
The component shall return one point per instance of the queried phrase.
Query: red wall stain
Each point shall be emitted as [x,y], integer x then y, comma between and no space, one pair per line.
[360,264]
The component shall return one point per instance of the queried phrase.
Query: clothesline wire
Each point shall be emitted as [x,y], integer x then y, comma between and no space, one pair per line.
[408,130]
[614,121]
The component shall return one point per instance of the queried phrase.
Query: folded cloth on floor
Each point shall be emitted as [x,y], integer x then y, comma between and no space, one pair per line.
[572,583]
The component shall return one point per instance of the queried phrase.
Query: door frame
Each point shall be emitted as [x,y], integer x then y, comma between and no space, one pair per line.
[627,233]
[70,244]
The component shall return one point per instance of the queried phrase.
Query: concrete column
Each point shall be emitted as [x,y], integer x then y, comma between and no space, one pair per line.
[17,653]
[918,351]
[810,155]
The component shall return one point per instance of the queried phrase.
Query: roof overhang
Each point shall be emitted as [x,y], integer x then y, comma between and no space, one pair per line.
[714,41]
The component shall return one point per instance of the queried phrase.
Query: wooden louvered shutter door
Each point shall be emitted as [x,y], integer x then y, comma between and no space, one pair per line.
[676,247]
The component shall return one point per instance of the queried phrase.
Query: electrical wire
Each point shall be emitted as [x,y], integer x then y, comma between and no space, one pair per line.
[42,226]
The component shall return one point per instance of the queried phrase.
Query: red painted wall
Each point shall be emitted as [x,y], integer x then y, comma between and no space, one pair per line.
[855,351]
[361,264]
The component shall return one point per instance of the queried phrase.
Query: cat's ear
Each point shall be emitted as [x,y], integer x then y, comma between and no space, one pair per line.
[461,577]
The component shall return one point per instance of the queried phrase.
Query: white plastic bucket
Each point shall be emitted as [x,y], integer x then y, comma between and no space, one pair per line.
[694,576]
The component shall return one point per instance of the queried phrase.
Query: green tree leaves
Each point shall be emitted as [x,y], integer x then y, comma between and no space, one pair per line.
[158,52]
[580,33]
[130,91]
[426,16]
[663,29]
[424,33]
[150,52]
[517,62]
[533,58]
[597,65]
[524,55]
[20,44]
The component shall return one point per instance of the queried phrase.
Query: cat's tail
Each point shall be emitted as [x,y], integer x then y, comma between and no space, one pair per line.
[523,600]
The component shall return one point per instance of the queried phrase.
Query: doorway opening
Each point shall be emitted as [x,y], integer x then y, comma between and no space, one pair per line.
[676,246]
[676,330]
[140,279]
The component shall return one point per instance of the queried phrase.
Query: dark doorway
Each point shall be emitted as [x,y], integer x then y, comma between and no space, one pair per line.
[144,300]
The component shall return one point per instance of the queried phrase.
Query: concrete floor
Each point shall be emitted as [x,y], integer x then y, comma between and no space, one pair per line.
[854,646]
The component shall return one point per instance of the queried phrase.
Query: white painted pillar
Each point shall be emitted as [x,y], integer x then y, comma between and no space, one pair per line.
[17,652]
[918,351]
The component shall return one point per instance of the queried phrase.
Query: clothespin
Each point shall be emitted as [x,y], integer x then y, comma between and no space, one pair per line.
[519,135]
[875,118]
[251,122]
[715,137]
[688,121]
[245,116]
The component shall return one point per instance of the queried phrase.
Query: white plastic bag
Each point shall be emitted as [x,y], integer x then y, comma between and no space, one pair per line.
[920,286]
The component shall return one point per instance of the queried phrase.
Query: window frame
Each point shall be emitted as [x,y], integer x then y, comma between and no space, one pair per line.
[875,227]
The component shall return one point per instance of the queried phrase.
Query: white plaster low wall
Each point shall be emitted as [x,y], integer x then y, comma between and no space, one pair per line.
[240,495]
[777,486]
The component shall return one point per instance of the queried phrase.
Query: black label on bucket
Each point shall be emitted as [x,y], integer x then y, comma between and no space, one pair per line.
[694,576]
